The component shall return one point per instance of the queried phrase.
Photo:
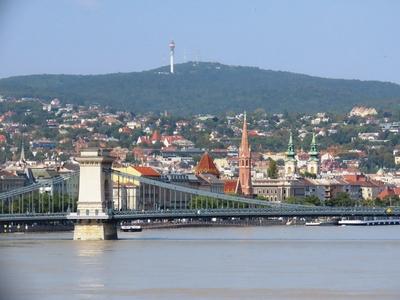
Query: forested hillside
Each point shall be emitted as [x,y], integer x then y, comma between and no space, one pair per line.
[206,88]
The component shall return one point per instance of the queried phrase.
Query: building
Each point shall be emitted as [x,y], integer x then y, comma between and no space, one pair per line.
[10,181]
[278,190]
[362,111]
[368,188]
[244,185]
[43,144]
[130,193]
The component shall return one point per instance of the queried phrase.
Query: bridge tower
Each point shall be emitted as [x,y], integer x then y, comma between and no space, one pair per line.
[94,217]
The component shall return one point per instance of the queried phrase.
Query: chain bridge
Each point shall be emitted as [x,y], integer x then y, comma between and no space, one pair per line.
[97,198]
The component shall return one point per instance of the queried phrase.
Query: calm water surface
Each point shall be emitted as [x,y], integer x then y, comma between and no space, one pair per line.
[277,262]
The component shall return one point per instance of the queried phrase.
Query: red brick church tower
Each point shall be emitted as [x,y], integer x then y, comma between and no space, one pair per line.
[243,185]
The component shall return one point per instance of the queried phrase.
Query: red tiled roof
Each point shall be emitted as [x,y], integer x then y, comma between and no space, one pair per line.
[389,192]
[206,165]
[156,137]
[125,130]
[147,171]
[143,140]
[230,186]
[171,138]
[354,178]
[361,180]
[252,133]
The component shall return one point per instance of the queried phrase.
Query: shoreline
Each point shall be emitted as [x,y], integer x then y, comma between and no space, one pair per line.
[145,226]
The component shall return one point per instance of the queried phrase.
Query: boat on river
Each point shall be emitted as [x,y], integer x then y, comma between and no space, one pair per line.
[323,222]
[375,222]
[131,228]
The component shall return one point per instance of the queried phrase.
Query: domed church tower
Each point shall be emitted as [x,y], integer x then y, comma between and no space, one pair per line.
[290,161]
[313,161]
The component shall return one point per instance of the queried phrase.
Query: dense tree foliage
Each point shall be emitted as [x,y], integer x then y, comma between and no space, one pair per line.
[206,88]
[272,169]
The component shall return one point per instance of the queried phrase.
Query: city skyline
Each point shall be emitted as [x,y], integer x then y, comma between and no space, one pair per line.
[351,40]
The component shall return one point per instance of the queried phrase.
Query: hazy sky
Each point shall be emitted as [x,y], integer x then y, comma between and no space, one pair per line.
[329,38]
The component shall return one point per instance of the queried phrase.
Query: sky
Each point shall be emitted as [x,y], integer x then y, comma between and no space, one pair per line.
[352,39]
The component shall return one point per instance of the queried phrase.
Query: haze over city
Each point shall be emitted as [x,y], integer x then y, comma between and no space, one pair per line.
[338,39]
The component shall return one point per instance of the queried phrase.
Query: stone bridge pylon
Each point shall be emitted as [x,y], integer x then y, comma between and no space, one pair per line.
[94,216]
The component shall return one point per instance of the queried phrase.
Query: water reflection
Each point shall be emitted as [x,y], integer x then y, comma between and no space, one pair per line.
[92,274]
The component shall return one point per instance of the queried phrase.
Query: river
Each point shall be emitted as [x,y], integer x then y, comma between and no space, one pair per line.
[275,262]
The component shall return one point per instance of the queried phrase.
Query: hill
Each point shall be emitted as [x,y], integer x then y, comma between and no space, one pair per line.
[207,88]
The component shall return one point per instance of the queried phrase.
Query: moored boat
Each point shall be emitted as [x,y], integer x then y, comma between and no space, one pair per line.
[131,228]
[323,222]
[369,222]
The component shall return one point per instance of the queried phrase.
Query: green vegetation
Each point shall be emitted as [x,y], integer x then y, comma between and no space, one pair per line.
[201,202]
[309,200]
[343,199]
[272,169]
[206,88]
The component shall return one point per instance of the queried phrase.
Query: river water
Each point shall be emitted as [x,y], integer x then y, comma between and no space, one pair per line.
[276,262]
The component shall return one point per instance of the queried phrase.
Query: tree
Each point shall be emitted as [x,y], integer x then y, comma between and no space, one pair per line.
[309,175]
[272,169]
[341,199]
[312,200]
[309,200]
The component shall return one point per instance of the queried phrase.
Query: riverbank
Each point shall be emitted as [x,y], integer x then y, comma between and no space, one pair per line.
[15,228]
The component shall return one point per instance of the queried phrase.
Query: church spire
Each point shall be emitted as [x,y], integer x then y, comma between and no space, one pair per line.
[244,145]
[244,185]
[291,153]
[313,162]
[314,148]
[290,161]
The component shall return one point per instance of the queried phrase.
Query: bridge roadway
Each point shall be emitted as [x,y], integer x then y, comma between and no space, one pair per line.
[270,212]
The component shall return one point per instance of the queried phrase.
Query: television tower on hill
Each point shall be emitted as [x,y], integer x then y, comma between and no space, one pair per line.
[171,56]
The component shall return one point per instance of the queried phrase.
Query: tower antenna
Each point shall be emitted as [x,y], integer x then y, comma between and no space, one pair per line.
[171,56]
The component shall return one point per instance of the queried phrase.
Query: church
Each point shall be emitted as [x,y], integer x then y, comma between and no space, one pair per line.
[292,184]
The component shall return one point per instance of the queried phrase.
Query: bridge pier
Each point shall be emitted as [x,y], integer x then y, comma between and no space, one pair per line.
[92,230]
[94,216]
